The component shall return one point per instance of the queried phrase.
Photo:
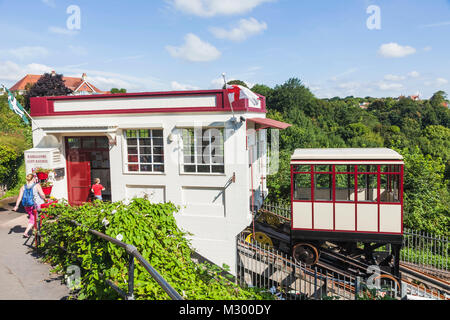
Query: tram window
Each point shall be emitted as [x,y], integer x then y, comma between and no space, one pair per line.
[367,188]
[390,168]
[390,188]
[322,168]
[345,187]
[323,187]
[301,168]
[367,168]
[344,168]
[302,187]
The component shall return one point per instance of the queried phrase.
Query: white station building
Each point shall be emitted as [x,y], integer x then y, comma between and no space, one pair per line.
[192,148]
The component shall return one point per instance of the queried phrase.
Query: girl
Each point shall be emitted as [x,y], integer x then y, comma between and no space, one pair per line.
[97,189]
[37,198]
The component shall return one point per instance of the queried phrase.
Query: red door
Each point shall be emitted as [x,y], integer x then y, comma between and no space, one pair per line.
[79,177]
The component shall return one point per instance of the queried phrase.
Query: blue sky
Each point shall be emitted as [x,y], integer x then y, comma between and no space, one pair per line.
[163,45]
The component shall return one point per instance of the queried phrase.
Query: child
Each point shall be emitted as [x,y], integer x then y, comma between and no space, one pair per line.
[97,189]
[31,196]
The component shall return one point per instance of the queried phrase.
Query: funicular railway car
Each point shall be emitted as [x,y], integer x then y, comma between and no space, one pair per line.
[351,198]
[344,202]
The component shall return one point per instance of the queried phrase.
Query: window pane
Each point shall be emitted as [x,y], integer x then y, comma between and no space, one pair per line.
[157,133]
[145,150]
[218,169]
[322,168]
[203,168]
[345,187]
[323,187]
[88,143]
[302,186]
[344,168]
[74,143]
[189,168]
[145,141]
[158,159]
[302,168]
[133,167]
[130,133]
[133,158]
[390,188]
[146,159]
[102,142]
[367,168]
[158,168]
[390,168]
[132,142]
[158,142]
[367,187]
[146,168]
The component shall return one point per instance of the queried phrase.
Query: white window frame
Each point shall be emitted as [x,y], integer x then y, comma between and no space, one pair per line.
[196,156]
[138,146]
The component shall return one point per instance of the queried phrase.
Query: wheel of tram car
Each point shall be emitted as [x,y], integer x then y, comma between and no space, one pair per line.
[305,253]
[261,238]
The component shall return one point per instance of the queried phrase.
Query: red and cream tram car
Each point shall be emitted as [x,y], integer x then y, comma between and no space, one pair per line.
[345,197]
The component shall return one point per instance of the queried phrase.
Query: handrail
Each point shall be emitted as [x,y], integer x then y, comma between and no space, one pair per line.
[133,253]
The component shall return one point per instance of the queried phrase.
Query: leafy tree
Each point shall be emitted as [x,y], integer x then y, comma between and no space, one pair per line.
[48,85]
[236,82]
[438,98]
[116,90]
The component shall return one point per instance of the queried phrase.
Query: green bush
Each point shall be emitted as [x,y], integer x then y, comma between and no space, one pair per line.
[152,229]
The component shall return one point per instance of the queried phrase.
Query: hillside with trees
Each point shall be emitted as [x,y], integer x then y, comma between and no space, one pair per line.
[419,130]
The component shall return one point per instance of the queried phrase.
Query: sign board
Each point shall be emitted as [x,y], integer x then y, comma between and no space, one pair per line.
[47,158]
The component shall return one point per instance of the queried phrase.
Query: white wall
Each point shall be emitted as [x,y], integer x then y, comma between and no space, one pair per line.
[215,222]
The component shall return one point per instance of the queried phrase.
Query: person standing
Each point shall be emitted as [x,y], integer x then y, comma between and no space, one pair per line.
[97,189]
[32,196]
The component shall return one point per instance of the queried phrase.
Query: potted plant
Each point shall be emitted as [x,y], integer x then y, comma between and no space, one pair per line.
[42,173]
[47,188]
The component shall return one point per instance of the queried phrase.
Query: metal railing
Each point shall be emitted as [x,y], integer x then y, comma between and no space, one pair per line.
[133,253]
[272,270]
[426,251]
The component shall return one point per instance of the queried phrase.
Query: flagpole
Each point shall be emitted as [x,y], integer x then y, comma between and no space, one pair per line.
[25,111]
[231,104]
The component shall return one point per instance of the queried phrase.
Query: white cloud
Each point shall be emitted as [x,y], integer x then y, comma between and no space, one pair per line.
[210,8]
[393,77]
[194,49]
[394,50]
[245,29]
[414,74]
[441,81]
[181,87]
[12,72]
[62,31]
[389,86]
[28,52]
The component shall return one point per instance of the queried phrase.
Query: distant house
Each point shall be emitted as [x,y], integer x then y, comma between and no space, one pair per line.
[79,86]
[364,105]
[445,104]
[414,97]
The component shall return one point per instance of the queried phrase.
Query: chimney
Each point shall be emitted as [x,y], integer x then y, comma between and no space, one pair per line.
[84,76]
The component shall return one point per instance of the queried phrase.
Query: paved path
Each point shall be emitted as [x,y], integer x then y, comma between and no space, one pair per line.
[22,275]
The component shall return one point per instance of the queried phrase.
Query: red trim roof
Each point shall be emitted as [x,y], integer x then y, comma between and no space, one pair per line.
[70,82]
[270,123]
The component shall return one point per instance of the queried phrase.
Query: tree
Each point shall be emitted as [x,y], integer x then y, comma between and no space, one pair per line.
[50,84]
[236,82]
[438,98]
[115,90]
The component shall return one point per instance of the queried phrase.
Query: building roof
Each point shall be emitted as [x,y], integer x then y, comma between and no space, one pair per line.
[73,83]
[346,154]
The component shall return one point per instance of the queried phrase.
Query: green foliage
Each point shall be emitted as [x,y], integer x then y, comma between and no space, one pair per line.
[116,90]
[419,130]
[152,229]
[236,82]
[8,164]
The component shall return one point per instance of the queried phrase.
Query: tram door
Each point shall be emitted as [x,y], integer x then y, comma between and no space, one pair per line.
[87,159]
